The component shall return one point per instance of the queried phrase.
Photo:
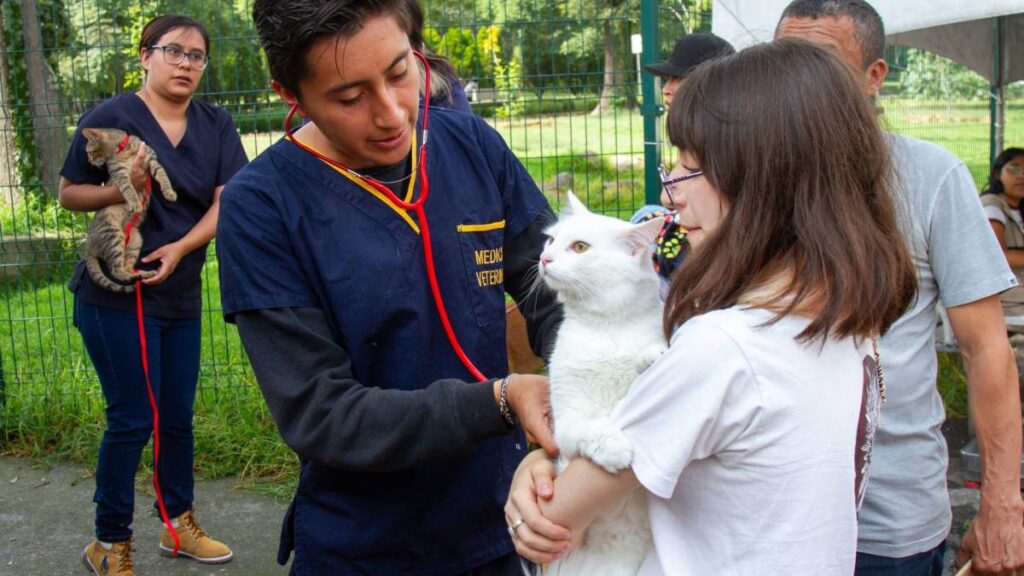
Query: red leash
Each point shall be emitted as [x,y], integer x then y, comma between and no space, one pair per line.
[145,365]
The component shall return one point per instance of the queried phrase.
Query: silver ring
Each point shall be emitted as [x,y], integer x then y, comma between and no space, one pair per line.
[515,525]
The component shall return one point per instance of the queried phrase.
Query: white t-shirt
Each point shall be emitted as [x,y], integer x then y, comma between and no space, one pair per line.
[746,441]
[995,213]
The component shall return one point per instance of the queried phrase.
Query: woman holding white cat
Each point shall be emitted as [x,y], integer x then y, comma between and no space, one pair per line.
[752,433]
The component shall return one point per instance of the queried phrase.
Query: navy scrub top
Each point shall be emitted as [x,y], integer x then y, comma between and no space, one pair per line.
[295,232]
[207,156]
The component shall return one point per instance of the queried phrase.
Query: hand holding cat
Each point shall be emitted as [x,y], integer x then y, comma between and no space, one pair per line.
[537,539]
[169,255]
[139,171]
[530,401]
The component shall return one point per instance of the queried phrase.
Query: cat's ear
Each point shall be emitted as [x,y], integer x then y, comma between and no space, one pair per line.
[90,133]
[640,236]
[574,206]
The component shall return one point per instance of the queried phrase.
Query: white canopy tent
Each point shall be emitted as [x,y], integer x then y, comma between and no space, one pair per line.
[986,36]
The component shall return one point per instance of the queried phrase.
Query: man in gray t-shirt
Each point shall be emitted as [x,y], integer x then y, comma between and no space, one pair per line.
[906,516]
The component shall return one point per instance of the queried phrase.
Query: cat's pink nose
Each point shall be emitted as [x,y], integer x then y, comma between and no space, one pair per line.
[544,261]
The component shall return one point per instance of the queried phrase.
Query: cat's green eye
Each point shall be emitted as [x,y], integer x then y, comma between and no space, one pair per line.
[579,247]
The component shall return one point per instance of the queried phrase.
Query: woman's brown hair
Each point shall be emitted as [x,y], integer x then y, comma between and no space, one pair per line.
[784,133]
[153,31]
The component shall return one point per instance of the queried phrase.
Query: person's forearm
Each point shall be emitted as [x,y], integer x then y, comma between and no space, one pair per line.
[993,388]
[325,415]
[87,197]
[1014,257]
[583,491]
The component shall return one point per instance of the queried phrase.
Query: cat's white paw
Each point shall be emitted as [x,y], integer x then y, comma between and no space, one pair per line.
[609,449]
[647,357]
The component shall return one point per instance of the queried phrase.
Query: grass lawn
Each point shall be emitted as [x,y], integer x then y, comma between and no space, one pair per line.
[960,127]
[54,406]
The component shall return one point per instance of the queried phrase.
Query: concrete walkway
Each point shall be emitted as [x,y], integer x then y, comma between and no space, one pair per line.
[46,518]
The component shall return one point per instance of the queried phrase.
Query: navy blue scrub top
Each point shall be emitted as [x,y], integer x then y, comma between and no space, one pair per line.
[207,156]
[296,233]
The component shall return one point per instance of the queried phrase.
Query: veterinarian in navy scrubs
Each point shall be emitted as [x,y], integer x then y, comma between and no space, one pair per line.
[406,457]
[198,146]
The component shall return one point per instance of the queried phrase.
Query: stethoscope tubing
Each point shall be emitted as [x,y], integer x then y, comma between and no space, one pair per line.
[416,205]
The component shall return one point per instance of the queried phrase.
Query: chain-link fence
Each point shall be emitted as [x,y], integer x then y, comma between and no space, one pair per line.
[932,98]
[558,79]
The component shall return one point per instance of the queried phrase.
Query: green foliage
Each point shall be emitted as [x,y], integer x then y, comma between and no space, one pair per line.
[53,405]
[952,384]
[931,77]
[508,81]
[36,214]
[105,61]
[57,33]
[697,17]
[601,186]
[471,54]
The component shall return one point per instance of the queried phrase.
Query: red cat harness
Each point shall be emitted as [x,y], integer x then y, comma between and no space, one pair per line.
[145,359]
[414,205]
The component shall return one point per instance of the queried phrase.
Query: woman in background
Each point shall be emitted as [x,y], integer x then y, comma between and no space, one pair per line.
[1001,198]
[199,148]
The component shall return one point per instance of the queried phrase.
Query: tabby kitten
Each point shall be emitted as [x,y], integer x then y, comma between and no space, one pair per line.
[106,238]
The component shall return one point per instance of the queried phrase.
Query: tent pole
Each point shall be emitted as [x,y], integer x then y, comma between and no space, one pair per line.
[997,102]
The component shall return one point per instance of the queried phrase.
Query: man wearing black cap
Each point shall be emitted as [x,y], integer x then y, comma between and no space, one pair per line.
[690,51]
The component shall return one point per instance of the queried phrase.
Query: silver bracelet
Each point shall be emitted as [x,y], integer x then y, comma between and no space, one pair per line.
[503,409]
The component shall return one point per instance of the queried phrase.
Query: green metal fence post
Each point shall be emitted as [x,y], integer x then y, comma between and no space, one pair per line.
[650,108]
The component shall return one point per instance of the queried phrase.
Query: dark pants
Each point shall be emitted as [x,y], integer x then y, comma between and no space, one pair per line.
[112,339]
[924,564]
[505,566]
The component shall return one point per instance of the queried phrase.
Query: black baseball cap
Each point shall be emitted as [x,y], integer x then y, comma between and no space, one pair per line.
[690,51]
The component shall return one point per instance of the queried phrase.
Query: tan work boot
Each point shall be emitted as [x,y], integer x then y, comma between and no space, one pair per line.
[114,562]
[194,543]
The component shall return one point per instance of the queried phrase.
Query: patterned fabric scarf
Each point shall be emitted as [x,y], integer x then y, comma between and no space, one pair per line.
[670,247]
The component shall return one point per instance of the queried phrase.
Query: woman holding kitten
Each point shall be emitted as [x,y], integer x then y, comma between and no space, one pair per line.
[199,148]
[752,433]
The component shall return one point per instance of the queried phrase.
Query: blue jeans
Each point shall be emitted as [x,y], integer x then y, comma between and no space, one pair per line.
[924,564]
[112,339]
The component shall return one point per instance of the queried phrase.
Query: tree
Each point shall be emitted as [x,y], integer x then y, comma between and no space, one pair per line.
[9,180]
[44,102]
[615,24]
[693,15]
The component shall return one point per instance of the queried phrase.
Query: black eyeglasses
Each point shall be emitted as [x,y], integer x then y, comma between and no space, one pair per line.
[173,55]
[670,183]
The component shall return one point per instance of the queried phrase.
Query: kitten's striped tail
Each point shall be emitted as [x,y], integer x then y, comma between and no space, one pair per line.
[92,264]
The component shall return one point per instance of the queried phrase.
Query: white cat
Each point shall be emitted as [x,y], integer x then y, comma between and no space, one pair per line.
[601,270]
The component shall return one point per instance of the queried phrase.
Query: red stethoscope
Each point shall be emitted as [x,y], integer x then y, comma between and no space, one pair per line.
[414,205]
